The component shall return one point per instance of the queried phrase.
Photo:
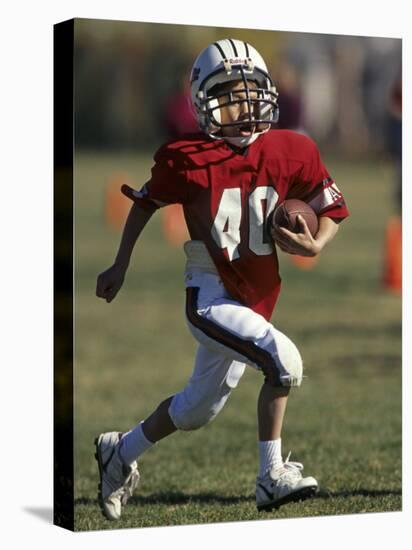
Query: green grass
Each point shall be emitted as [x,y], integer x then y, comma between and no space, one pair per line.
[344,423]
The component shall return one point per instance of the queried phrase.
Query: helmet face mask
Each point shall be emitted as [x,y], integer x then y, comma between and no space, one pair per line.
[215,73]
[258,105]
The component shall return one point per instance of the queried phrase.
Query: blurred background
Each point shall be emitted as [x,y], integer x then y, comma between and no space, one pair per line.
[343,310]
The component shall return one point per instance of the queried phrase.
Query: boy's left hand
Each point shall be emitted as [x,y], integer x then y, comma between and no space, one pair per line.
[302,243]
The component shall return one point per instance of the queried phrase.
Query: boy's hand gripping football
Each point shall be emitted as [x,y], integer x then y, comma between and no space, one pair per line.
[109,282]
[301,243]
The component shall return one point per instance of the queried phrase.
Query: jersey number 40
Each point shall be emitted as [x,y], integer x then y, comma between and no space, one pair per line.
[226,226]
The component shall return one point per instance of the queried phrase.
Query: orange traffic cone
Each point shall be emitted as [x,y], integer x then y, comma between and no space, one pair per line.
[304,262]
[117,206]
[174,225]
[392,279]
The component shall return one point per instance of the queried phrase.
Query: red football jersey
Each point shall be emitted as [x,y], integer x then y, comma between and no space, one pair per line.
[227,197]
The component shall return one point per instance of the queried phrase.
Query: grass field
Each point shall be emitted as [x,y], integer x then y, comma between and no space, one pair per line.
[344,423]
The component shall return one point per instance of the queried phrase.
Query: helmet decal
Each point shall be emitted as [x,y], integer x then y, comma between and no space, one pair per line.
[195,74]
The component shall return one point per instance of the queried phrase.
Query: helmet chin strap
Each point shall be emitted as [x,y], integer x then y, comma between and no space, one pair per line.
[242,141]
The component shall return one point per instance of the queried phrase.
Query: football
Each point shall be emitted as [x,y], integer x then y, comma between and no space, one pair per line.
[286,214]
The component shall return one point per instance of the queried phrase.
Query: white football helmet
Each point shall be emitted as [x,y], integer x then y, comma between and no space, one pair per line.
[225,61]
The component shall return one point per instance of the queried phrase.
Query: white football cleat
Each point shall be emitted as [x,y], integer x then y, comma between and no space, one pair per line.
[282,485]
[117,479]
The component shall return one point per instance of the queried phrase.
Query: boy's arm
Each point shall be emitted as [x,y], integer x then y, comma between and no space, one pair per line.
[328,228]
[135,223]
[110,281]
[303,243]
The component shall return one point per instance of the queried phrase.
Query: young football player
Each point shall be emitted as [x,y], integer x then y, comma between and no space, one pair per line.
[229,179]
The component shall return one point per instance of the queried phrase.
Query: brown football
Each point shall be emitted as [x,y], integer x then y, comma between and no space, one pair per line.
[286,214]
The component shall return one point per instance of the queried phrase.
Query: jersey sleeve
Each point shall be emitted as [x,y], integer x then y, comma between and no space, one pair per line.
[167,185]
[314,185]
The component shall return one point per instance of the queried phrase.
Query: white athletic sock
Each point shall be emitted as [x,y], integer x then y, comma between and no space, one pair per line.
[270,455]
[133,444]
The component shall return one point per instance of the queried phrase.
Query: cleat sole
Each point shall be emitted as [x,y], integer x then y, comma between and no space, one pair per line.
[298,496]
[100,465]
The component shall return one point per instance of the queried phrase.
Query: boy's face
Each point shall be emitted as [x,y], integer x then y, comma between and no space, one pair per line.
[239,111]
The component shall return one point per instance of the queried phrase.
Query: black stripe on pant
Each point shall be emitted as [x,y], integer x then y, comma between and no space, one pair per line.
[247,348]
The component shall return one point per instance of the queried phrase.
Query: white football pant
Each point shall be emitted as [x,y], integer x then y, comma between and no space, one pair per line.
[230,337]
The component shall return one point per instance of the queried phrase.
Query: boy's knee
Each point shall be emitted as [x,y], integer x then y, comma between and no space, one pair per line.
[188,420]
[188,416]
[286,356]
[191,423]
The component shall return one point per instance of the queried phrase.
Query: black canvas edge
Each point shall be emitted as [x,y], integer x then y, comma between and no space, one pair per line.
[63,140]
